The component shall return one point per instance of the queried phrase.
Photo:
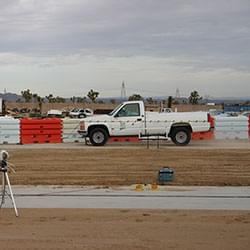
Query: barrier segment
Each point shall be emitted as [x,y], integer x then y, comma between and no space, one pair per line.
[48,130]
[231,127]
[209,135]
[70,130]
[9,130]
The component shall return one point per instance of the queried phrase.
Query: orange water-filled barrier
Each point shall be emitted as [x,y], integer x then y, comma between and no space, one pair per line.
[48,130]
[209,135]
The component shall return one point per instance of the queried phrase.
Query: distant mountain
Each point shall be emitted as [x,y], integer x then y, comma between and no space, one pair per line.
[227,100]
[11,97]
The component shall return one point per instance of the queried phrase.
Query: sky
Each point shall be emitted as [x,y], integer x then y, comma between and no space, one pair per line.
[67,47]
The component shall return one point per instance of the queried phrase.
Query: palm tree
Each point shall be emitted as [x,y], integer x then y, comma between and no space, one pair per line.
[170,101]
[59,99]
[135,97]
[40,101]
[27,95]
[150,100]
[73,99]
[34,96]
[194,97]
[92,95]
[49,98]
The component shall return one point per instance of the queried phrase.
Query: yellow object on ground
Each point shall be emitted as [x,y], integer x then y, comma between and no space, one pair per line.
[139,187]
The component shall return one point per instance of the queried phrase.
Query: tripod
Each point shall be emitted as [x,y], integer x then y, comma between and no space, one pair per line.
[6,180]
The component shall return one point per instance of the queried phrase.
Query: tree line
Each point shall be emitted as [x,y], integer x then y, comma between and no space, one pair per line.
[92,95]
[28,96]
[194,98]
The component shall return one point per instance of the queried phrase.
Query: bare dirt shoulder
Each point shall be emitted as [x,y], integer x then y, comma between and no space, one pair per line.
[130,165]
[124,229]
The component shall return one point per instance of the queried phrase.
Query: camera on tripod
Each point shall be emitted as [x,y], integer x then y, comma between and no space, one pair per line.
[4,164]
[4,155]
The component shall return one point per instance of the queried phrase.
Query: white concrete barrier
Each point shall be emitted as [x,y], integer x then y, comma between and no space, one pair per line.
[231,127]
[9,130]
[70,128]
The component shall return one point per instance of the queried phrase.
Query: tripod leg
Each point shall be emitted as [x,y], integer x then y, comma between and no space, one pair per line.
[11,194]
[3,189]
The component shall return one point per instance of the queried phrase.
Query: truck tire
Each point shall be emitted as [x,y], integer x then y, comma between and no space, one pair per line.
[181,136]
[98,136]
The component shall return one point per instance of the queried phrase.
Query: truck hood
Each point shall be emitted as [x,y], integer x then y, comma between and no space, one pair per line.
[97,118]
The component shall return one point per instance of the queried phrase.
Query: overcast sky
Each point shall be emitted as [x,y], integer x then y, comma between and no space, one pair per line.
[67,47]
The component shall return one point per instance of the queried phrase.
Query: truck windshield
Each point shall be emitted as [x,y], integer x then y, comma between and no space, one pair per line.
[114,111]
[131,109]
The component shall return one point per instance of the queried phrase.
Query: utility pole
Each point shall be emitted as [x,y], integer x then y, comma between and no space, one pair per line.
[123,92]
[177,94]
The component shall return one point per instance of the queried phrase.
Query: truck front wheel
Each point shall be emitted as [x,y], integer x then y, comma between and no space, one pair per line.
[181,136]
[98,137]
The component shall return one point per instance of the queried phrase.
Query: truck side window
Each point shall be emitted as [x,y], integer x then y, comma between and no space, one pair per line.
[132,109]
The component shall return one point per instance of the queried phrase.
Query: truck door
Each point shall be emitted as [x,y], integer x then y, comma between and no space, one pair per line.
[128,120]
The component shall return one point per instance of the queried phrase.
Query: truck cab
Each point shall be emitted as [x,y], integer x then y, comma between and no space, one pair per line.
[127,119]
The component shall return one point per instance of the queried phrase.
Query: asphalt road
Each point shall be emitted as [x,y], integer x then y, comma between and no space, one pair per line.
[167,197]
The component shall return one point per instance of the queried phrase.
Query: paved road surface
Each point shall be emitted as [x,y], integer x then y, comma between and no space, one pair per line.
[170,197]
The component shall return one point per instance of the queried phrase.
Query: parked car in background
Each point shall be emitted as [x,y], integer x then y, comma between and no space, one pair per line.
[55,113]
[80,113]
[246,113]
[166,110]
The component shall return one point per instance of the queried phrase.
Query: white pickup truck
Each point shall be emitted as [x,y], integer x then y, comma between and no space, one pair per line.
[131,119]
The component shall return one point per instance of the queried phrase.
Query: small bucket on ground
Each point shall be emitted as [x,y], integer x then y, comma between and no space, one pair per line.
[165,175]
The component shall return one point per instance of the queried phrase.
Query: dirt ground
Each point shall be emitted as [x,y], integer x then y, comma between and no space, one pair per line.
[124,166]
[124,229]
[114,229]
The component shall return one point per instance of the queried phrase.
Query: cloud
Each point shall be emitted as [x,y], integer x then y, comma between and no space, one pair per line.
[189,35]
[129,27]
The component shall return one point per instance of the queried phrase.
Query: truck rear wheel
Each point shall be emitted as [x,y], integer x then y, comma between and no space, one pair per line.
[181,136]
[98,137]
